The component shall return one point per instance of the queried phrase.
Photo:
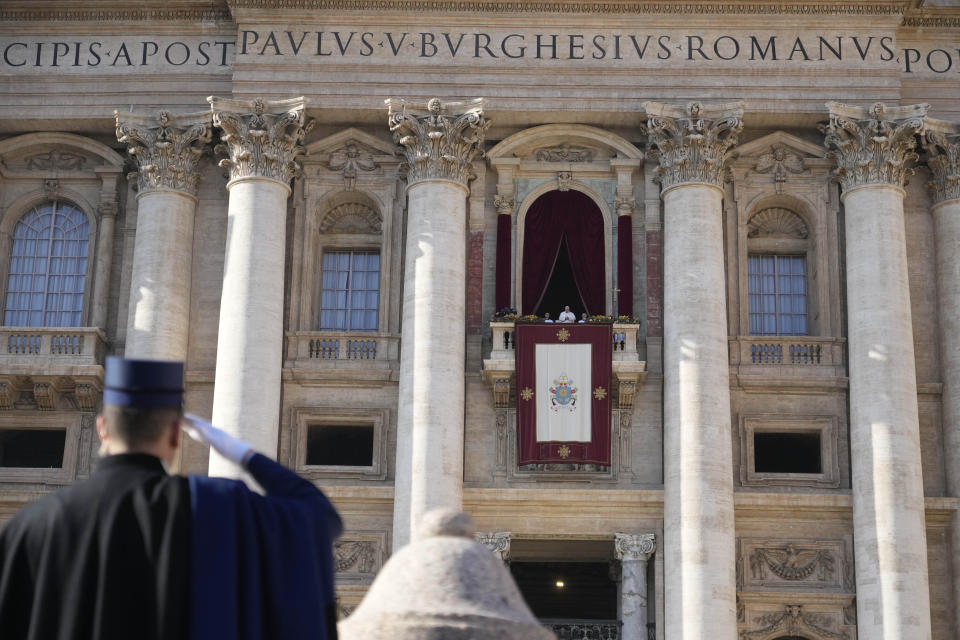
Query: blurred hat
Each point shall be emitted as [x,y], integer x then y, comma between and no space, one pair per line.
[146,384]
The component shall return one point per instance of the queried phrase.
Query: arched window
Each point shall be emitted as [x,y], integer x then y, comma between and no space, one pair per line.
[48,267]
[778,242]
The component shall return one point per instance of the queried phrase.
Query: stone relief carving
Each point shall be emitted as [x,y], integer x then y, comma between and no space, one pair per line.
[626,421]
[693,143]
[564,178]
[779,161]
[262,138]
[355,556]
[808,565]
[349,160]
[794,621]
[503,204]
[565,153]
[440,142]
[776,222]
[45,395]
[497,541]
[167,148]
[634,546]
[51,188]
[351,217]
[7,395]
[791,563]
[501,392]
[624,206]
[86,396]
[873,146]
[56,159]
[941,140]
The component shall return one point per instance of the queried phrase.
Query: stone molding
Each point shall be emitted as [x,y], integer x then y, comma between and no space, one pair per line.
[441,141]
[792,620]
[694,142]
[263,138]
[941,140]
[497,541]
[167,148]
[634,546]
[181,14]
[631,7]
[873,146]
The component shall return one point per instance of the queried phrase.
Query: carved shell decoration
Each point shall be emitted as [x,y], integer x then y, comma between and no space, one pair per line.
[777,222]
[350,217]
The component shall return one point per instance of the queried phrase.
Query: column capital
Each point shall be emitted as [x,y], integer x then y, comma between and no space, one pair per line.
[634,546]
[440,141]
[497,541]
[503,204]
[693,142]
[875,145]
[263,138]
[167,148]
[941,140]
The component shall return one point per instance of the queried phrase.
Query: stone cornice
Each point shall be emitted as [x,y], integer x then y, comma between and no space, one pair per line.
[941,140]
[692,143]
[33,11]
[262,137]
[634,546]
[441,141]
[875,145]
[641,7]
[167,148]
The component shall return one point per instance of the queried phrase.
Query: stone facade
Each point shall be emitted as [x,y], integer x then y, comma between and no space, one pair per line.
[220,149]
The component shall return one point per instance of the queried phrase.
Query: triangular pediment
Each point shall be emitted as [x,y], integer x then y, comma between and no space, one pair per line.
[366,142]
[780,139]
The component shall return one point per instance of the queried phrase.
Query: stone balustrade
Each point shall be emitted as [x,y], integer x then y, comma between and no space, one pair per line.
[312,349]
[789,351]
[584,629]
[624,340]
[40,347]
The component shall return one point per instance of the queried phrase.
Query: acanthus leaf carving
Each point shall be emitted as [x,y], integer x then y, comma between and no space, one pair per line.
[263,138]
[693,143]
[349,160]
[941,140]
[440,142]
[875,145]
[634,546]
[167,148]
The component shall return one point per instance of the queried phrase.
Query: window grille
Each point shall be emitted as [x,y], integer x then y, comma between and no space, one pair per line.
[350,297]
[778,295]
[48,267]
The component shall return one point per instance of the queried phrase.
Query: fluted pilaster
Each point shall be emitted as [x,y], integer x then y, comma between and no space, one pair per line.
[873,149]
[440,143]
[692,144]
[263,140]
[167,149]
[942,145]
[441,140]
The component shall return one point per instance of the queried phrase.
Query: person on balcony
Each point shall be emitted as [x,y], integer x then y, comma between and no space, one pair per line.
[567,316]
[583,318]
[546,317]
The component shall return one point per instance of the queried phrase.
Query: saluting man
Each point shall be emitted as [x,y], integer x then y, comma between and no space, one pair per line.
[136,553]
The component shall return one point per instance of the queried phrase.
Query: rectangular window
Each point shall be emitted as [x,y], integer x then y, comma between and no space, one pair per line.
[340,445]
[350,296]
[778,295]
[784,452]
[32,448]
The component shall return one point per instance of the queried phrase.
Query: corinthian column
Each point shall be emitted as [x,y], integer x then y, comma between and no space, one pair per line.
[692,145]
[942,142]
[634,550]
[873,149]
[440,143]
[262,140]
[167,149]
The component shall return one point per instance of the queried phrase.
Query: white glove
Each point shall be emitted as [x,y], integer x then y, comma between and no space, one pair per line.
[229,447]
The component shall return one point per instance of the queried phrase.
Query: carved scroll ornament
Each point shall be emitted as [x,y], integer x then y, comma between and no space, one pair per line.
[167,148]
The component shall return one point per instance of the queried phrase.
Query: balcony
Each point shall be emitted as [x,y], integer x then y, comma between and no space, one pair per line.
[325,355]
[39,365]
[584,629]
[788,356]
[628,369]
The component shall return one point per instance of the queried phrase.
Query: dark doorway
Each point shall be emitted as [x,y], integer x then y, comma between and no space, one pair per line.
[567,590]
[562,288]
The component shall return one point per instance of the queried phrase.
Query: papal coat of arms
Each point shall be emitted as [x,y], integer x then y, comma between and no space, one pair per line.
[563,395]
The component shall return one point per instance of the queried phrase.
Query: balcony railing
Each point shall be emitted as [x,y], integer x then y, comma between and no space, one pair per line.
[584,629]
[624,341]
[797,352]
[43,346]
[313,349]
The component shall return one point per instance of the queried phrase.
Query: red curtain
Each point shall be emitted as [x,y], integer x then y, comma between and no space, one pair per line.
[625,265]
[551,218]
[503,261]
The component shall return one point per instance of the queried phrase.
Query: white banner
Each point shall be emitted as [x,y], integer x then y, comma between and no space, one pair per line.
[563,392]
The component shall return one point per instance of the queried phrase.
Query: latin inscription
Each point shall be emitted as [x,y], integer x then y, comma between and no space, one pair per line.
[506,47]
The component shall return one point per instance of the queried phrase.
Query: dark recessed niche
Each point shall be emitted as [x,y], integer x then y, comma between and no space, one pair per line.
[588,591]
[340,445]
[777,452]
[32,448]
